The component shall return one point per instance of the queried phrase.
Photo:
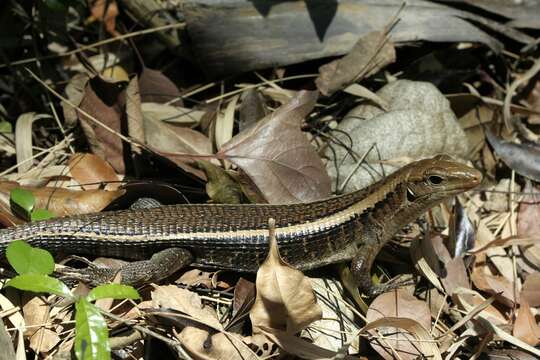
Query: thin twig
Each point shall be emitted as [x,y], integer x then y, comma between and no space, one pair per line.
[96,44]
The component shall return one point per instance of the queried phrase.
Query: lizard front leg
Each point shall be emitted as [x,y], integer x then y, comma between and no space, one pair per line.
[361,266]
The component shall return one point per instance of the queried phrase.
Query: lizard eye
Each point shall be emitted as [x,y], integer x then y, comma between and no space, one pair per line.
[411,196]
[435,179]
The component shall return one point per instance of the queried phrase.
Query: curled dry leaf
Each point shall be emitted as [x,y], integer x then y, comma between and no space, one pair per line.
[461,237]
[278,157]
[525,326]
[23,139]
[523,158]
[91,172]
[64,202]
[187,302]
[397,304]
[225,123]
[285,300]
[372,52]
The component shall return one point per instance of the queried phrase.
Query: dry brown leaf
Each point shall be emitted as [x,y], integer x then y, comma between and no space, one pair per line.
[91,171]
[398,304]
[371,53]
[104,101]
[285,300]
[201,345]
[106,12]
[158,88]
[278,157]
[187,302]
[530,291]
[525,326]
[63,202]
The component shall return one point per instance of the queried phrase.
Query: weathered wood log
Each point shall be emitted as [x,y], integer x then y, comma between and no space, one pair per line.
[231,36]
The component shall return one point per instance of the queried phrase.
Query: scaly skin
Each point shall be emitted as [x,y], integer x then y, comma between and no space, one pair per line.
[353,227]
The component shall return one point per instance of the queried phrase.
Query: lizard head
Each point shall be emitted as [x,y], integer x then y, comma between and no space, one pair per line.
[437,178]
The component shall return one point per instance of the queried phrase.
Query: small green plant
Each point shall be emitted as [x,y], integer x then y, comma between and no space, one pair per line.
[23,204]
[91,335]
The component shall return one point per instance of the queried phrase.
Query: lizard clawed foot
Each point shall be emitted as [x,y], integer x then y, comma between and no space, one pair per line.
[392,284]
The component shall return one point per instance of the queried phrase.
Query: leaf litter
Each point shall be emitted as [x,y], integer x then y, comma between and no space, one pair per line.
[267,136]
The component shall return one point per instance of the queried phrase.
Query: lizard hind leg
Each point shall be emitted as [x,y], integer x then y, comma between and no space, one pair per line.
[160,266]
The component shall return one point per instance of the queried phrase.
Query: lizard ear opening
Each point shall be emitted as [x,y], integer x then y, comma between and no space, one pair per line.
[411,196]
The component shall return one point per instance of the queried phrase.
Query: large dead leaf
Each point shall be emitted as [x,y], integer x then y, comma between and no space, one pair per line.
[278,157]
[104,101]
[64,202]
[91,171]
[398,304]
[285,300]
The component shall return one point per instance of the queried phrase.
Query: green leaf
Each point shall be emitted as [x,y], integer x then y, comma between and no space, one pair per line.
[5,127]
[115,291]
[92,336]
[26,259]
[41,214]
[40,283]
[57,5]
[22,200]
